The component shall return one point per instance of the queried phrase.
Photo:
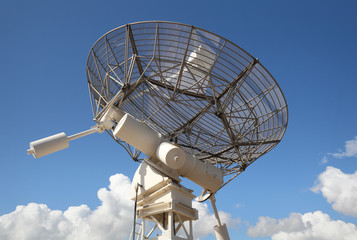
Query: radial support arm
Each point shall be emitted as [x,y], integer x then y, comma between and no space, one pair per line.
[60,141]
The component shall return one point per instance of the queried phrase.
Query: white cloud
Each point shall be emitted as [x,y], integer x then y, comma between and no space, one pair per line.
[324,160]
[111,220]
[308,226]
[206,221]
[267,226]
[339,189]
[350,149]
[238,205]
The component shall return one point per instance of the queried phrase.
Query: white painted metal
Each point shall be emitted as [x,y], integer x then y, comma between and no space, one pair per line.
[171,155]
[194,87]
[153,145]
[57,142]
[220,229]
[113,114]
[60,141]
[161,192]
[148,177]
[210,109]
[221,232]
[94,129]
[202,173]
[165,203]
[48,145]
[138,135]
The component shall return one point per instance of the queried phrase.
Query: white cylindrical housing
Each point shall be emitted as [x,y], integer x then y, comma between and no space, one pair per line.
[171,155]
[151,143]
[221,232]
[138,135]
[48,145]
[204,174]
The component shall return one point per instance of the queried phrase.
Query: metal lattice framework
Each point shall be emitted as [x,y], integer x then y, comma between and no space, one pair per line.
[196,88]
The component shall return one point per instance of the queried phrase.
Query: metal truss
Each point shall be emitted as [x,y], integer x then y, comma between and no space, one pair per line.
[196,88]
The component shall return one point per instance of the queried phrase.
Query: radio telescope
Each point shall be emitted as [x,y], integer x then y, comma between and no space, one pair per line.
[185,103]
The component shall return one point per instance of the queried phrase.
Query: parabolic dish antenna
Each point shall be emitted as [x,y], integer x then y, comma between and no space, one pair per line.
[197,105]
[196,88]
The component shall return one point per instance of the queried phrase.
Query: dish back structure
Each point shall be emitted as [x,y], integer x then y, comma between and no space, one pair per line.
[196,88]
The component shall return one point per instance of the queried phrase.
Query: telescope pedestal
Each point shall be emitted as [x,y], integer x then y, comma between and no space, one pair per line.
[166,204]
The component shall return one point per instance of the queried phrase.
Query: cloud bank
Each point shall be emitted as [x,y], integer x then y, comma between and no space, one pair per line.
[339,189]
[111,220]
[308,226]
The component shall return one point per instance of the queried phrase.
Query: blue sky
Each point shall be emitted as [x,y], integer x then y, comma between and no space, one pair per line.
[308,46]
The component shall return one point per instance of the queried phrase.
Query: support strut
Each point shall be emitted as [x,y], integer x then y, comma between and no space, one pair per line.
[220,230]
